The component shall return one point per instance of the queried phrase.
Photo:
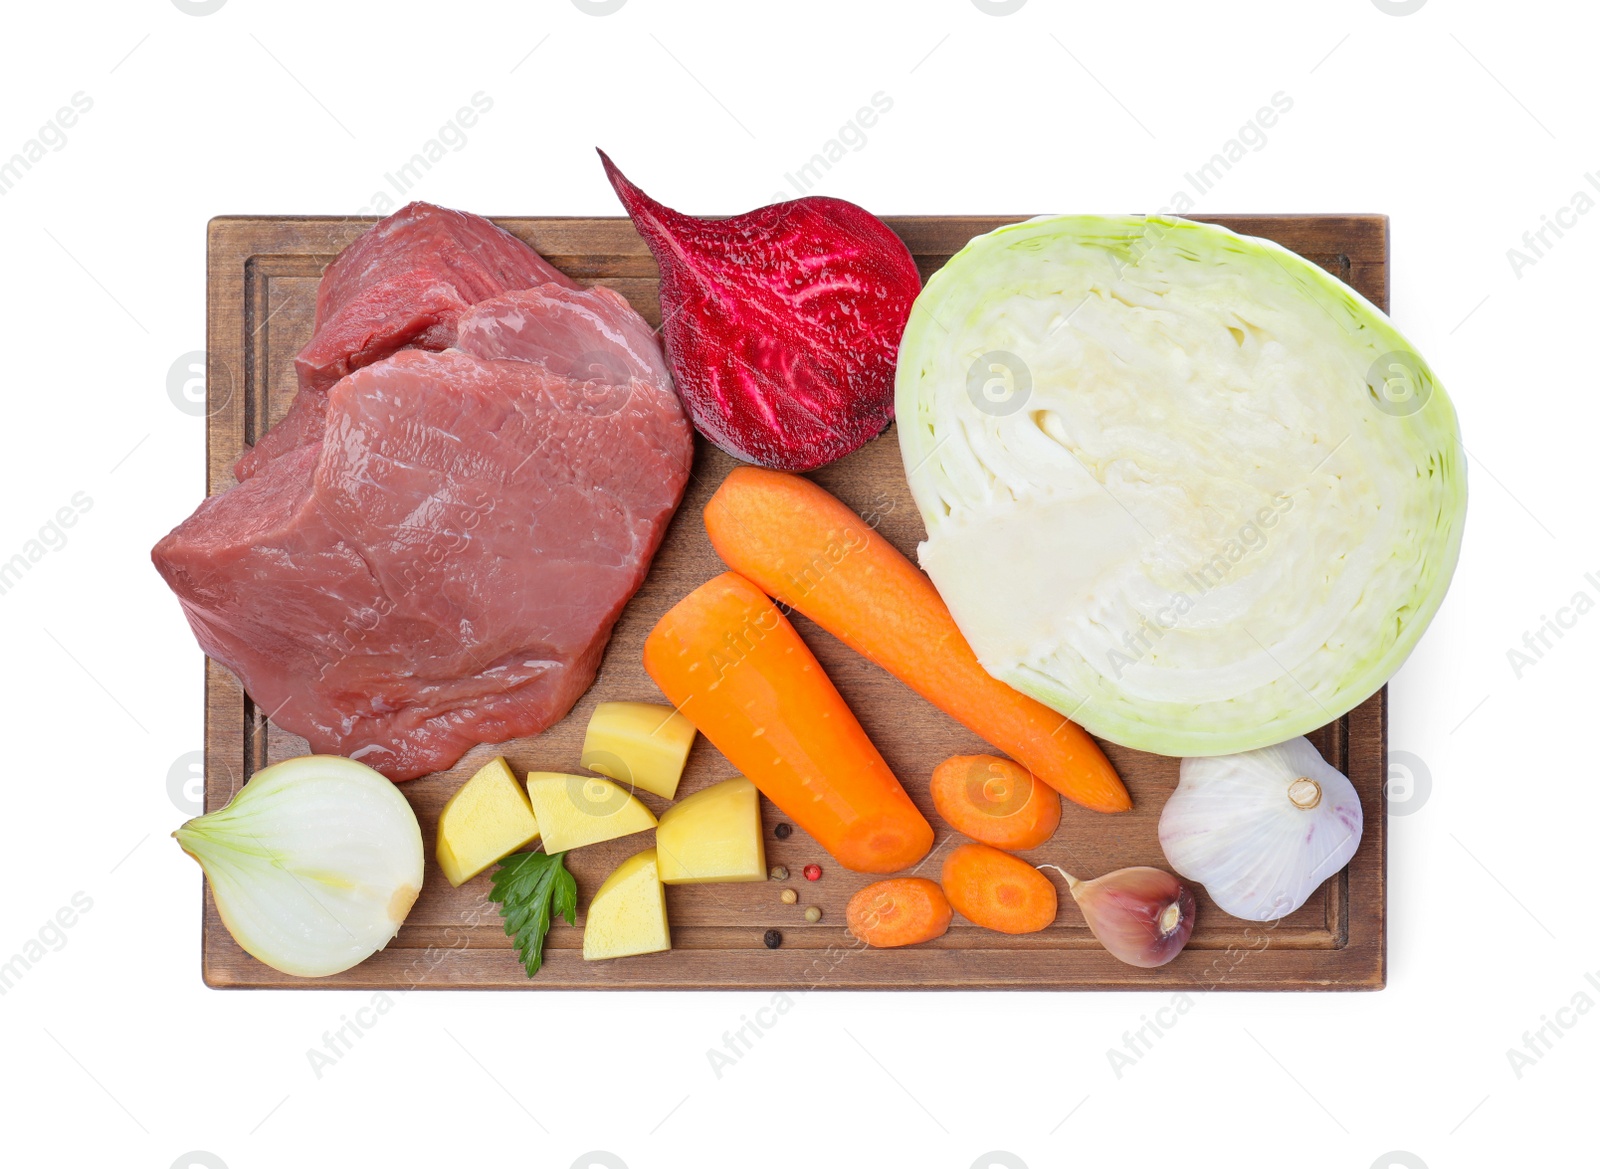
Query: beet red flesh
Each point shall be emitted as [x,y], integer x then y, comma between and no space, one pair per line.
[782,325]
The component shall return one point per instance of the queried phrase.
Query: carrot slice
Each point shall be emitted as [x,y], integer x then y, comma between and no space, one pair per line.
[811,552]
[997,891]
[901,911]
[728,660]
[995,801]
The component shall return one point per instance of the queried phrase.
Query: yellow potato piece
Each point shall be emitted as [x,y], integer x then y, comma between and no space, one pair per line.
[713,835]
[487,819]
[639,744]
[629,912]
[575,810]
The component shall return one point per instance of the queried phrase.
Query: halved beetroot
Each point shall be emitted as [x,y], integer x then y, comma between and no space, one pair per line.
[782,325]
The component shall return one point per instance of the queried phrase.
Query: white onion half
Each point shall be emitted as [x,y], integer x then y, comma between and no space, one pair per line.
[313,865]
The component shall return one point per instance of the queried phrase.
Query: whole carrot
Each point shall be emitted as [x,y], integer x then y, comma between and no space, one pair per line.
[738,671]
[808,550]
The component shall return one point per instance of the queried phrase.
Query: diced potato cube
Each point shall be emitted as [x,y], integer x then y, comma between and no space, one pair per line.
[629,912]
[575,810]
[641,744]
[713,835]
[487,819]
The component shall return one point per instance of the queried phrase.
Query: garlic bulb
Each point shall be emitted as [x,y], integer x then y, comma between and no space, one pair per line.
[313,865]
[1261,829]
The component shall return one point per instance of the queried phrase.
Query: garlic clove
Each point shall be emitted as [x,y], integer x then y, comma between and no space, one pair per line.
[1261,830]
[1143,916]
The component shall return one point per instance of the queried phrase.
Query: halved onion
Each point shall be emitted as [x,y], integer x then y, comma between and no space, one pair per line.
[313,865]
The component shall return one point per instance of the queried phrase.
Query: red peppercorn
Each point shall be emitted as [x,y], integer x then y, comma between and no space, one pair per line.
[813,872]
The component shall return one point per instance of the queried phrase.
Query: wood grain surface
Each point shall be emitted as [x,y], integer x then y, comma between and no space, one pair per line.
[262,278]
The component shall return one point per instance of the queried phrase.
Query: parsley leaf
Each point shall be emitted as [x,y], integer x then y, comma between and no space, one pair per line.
[527,886]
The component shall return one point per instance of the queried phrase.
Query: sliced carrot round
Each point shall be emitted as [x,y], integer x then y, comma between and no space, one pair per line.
[995,801]
[998,891]
[901,911]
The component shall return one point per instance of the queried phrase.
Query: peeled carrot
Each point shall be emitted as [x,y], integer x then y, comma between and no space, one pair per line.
[997,891]
[738,671]
[808,550]
[995,801]
[901,911]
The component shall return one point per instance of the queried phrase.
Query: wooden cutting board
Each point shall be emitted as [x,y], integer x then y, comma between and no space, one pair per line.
[262,280]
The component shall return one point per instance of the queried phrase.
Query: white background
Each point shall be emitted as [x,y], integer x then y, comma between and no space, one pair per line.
[1465,122]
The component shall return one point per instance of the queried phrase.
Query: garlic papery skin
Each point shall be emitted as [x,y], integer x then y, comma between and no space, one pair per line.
[1261,829]
[313,865]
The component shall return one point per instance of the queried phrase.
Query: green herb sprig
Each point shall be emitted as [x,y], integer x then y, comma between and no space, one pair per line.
[528,886]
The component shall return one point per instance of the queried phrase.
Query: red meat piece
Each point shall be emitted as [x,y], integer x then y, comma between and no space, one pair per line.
[443,564]
[404,283]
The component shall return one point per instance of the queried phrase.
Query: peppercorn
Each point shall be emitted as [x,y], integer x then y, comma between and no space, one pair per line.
[813,913]
[813,872]
[779,873]
[772,939]
[782,831]
[788,897]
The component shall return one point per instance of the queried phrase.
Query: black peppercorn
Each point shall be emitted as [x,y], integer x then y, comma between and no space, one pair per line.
[772,939]
[782,831]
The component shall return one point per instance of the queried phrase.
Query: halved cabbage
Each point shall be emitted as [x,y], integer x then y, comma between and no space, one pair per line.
[1181,485]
